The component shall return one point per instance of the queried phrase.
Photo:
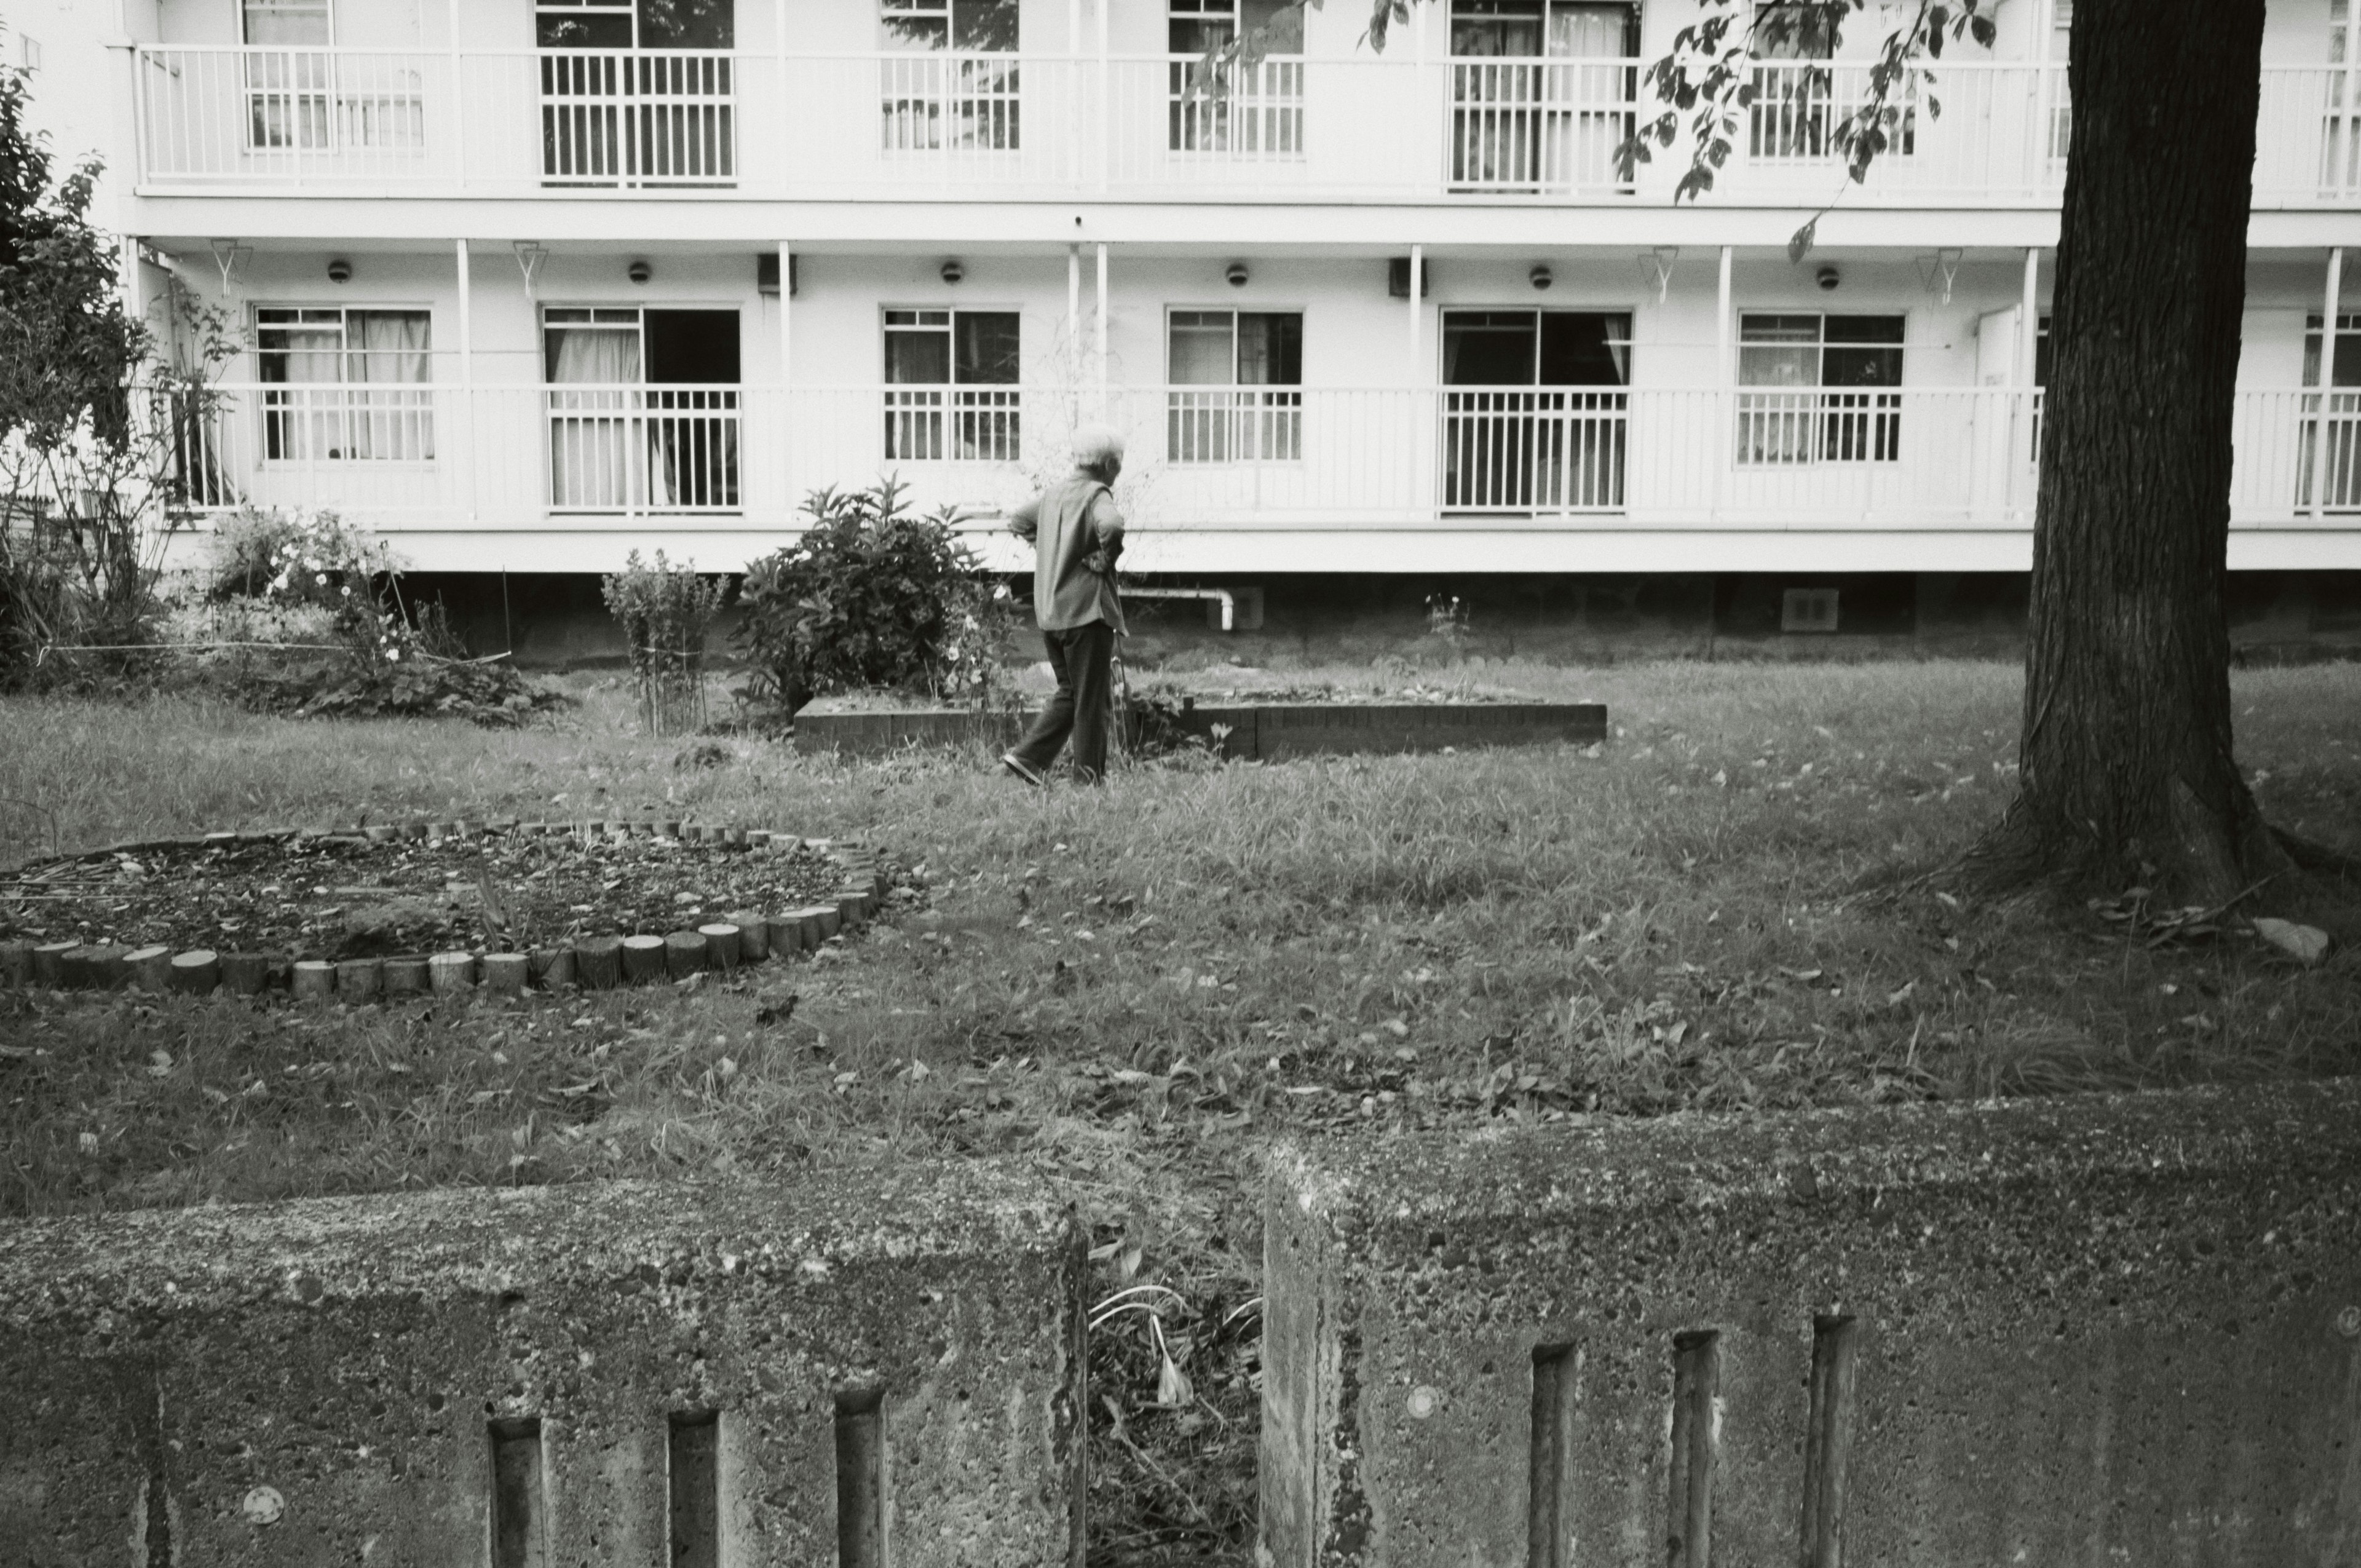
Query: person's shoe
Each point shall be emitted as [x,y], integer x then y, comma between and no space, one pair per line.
[1022,769]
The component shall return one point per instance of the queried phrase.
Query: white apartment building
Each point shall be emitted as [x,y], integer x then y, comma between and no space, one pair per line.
[511,273]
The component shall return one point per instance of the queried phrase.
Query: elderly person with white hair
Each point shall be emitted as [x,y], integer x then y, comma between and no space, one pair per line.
[1076,533]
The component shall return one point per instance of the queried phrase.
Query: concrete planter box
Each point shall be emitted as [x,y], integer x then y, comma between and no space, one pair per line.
[2082,1330]
[1263,733]
[617,1373]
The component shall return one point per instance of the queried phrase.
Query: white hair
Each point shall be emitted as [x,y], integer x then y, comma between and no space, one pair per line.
[1096,445]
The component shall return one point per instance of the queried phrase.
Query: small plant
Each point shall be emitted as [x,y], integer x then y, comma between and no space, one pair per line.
[1447,621]
[875,596]
[665,612]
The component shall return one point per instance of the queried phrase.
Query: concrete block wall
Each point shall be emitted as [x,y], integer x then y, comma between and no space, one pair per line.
[880,1371]
[2086,1331]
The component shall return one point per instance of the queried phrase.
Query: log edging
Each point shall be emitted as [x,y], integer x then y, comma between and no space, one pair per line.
[589,961]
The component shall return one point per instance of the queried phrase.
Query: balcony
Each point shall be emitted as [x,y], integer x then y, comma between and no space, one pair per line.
[440,457]
[891,127]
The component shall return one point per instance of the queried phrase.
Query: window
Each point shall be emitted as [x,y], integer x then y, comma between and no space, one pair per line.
[1520,122]
[2342,411]
[957,90]
[637,91]
[345,386]
[969,26]
[2340,144]
[1824,404]
[642,408]
[1801,102]
[1249,364]
[1534,410]
[636,24]
[301,97]
[950,392]
[1256,110]
[1786,29]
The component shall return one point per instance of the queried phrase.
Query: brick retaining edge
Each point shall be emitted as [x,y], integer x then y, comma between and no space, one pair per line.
[66,965]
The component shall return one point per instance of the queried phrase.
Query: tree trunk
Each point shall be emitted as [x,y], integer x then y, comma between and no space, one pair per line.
[2127,772]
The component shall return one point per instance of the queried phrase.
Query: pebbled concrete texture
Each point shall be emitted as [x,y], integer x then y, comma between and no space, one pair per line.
[2119,1330]
[321,1382]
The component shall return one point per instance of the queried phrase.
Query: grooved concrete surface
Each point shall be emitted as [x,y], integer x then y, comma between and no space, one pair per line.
[2084,1331]
[327,1382]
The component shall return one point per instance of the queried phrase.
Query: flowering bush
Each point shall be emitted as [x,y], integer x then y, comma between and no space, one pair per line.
[873,596]
[301,612]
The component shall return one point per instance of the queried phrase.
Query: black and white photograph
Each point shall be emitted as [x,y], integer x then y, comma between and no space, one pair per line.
[1179,784]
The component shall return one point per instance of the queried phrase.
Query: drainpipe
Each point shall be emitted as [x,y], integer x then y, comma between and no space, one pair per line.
[787,379]
[1222,598]
[1725,376]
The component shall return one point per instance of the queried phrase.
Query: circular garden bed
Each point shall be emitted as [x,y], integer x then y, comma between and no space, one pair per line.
[394,908]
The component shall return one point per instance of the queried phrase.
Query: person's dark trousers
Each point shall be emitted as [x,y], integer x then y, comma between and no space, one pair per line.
[1079,657]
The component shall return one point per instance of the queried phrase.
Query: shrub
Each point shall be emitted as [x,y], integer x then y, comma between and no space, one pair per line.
[872,597]
[665,612]
[300,613]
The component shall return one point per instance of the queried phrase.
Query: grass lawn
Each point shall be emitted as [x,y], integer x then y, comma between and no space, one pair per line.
[1133,985]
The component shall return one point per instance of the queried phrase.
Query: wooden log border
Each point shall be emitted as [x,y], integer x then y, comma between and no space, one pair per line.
[588,959]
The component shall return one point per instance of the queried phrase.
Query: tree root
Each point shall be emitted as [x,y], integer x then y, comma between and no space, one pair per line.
[2313,856]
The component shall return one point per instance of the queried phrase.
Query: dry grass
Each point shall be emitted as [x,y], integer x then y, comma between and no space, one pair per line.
[1134,985]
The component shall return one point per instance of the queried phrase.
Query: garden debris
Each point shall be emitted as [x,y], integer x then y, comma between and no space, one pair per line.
[2308,945]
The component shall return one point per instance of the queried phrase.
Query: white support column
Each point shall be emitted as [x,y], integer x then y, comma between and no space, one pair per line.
[1105,104]
[458,101]
[1725,376]
[786,96]
[466,313]
[787,379]
[1417,315]
[1421,379]
[2321,446]
[135,297]
[1074,316]
[463,439]
[2028,326]
[1099,337]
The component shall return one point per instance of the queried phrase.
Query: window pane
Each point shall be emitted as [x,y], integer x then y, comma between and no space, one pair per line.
[1862,351]
[987,348]
[1792,31]
[1483,28]
[987,26]
[1580,348]
[573,24]
[1270,349]
[1487,349]
[1203,348]
[1779,351]
[688,24]
[389,345]
[288,23]
[917,358]
[917,24]
[1281,21]
[1594,32]
[300,346]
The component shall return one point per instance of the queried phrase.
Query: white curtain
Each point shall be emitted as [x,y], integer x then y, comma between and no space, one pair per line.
[594,463]
[390,346]
[307,425]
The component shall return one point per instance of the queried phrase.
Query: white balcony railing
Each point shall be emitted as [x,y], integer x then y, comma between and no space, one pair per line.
[1296,457]
[951,125]
[632,118]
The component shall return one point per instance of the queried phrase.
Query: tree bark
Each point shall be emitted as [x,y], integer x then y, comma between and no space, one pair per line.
[2126,767]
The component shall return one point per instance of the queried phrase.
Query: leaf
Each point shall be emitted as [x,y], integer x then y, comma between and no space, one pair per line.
[1800,244]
